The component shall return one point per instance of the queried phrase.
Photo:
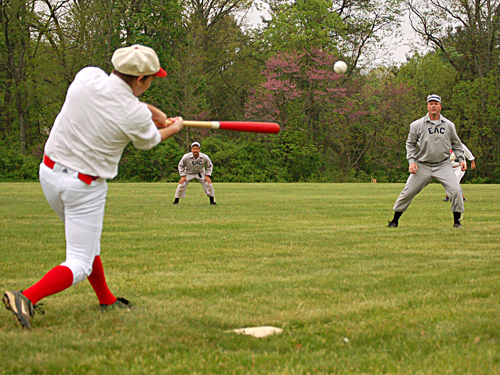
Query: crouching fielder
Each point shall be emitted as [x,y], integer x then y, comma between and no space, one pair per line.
[195,166]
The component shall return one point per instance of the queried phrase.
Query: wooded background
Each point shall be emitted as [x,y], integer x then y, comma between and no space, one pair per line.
[335,128]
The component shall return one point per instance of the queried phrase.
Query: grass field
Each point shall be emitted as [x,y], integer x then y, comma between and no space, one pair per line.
[313,259]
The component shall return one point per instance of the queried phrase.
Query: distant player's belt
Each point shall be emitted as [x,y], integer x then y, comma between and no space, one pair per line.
[83,177]
[439,162]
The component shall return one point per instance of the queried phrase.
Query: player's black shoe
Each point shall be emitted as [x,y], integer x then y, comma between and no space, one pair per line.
[21,307]
[392,224]
[447,199]
[213,204]
[120,303]
[457,225]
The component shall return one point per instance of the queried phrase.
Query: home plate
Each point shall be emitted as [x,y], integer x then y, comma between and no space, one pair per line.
[258,331]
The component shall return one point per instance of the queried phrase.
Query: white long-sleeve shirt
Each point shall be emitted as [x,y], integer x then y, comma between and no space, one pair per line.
[467,153]
[99,118]
[191,165]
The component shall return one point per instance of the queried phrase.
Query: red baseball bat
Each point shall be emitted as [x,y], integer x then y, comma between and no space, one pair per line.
[239,126]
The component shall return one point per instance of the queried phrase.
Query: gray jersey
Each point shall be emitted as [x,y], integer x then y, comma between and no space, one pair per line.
[431,141]
[191,165]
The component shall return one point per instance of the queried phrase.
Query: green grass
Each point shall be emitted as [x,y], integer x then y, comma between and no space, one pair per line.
[313,259]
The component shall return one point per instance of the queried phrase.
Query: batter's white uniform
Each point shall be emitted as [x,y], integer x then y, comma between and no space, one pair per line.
[98,119]
[195,169]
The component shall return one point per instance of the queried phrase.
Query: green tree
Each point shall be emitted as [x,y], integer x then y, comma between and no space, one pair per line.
[16,21]
[295,25]
[466,32]
[224,54]
[476,105]
[352,29]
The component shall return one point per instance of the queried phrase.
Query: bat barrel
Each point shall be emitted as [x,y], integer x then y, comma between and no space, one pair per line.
[251,127]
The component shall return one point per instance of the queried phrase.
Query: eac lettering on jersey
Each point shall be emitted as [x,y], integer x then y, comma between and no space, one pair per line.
[436,130]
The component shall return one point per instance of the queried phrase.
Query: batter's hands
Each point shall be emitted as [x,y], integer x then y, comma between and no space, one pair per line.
[173,126]
[176,122]
[463,164]
[182,180]
[208,180]
[413,168]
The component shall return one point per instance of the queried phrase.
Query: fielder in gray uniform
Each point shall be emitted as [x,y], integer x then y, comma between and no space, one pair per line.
[195,166]
[428,152]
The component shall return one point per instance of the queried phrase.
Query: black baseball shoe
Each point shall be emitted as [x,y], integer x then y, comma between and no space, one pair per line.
[447,199]
[213,204]
[21,307]
[392,224]
[120,303]
[457,225]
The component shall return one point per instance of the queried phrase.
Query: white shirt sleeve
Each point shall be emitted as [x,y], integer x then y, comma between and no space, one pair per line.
[146,135]
[467,153]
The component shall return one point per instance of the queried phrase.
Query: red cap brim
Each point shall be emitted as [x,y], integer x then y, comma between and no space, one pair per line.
[161,73]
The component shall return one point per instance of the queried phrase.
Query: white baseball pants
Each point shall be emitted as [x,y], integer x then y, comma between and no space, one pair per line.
[459,173]
[180,192]
[81,208]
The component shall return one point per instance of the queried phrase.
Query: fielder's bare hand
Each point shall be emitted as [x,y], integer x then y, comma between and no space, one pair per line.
[182,180]
[413,168]
[207,179]
[463,166]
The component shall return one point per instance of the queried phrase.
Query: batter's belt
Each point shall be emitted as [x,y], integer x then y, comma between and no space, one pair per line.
[83,177]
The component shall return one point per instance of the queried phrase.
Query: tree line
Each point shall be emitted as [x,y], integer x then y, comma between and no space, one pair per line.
[335,128]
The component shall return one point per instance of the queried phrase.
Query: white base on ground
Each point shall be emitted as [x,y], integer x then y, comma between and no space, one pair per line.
[258,331]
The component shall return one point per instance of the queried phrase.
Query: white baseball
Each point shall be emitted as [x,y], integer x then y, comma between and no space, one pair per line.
[340,67]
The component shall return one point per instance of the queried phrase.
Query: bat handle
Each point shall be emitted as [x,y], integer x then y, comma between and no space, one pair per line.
[160,126]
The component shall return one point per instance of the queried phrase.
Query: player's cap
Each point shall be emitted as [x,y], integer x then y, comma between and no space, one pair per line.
[433,98]
[195,144]
[137,60]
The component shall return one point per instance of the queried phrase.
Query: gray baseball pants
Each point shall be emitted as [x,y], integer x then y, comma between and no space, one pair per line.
[200,177]
[443,173]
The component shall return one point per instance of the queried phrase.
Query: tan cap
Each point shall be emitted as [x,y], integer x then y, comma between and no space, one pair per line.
[137,60]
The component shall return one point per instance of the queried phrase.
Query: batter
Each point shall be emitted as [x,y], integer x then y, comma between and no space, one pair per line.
[100,116]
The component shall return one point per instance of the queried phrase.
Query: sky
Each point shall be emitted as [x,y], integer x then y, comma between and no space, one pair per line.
[401,47]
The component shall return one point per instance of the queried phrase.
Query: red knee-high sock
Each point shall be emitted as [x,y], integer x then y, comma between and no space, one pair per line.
[98,282]
[54,281]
